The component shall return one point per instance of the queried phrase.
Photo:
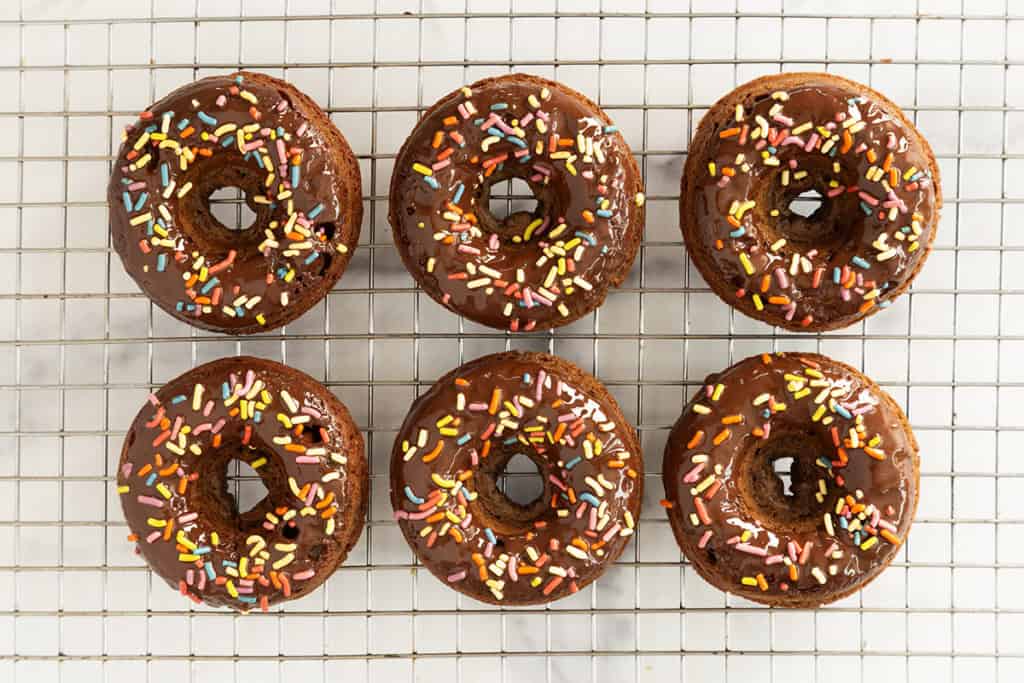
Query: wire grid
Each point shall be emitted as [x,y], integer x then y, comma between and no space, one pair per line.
[80,346]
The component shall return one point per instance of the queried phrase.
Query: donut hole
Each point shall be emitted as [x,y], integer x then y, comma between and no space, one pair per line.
[507,203]
[245,486]
[512,491]
[521,481]
[514,198]
[806,204]
[805,215]
[778,480]
[228,206]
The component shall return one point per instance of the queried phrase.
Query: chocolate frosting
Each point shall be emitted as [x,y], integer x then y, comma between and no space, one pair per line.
[531,270]
[775,138]
[172,483]
[299,177]
[453,446]
[854,479]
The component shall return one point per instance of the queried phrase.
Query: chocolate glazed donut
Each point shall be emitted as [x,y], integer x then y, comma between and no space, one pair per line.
[778,137]
[294,433]
[453,448]
[854,480]
[265,137]
[531,270]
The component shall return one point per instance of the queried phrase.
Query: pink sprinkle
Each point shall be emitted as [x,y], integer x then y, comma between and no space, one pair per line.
[185,519]
[153,537]
[694,473]
[307,460]
[178,421]
[221,100]
[704,539]
[774,559]
[780,275]
[190,576]
[461,574]
[441,164]
[751,549]
[302,576]
[811,142]
[151,501]
[299,131]
[836,191]
[513,568]
[611,532]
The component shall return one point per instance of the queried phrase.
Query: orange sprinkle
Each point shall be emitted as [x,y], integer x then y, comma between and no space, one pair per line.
[891,537]
[667,504]
[696,439]
[721,437]
[729,133]
[432,455]
[732,419]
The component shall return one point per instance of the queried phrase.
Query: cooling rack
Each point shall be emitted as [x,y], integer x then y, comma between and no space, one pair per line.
[80,346]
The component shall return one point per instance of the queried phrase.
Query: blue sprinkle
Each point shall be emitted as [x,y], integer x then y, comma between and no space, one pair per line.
[201,551]
[430,181]
[161,262]
[490,536]
[495,131]
[227,141]
[152,128]
[183,124]
[590,498]
[209,571]
[586,237]
[477,122]
[225,391]
[210,284]
[229,563]
[738,232]
[611,129]
[843,523]
[127,201]
[526,378]
[315,211]
[517,142]
[458,193]
[240,311]
[525,158]
[463,440]
[604,249]
[884,304]
[603,213]
[865,208]
[141,201]
[858,261]
[572,463]
[499,106]
[238,79]
[295,176]
[257,416]
[247,599]
[835,275]
[180,306]
[151,479]
[164,174]
[207,119]
[259,160]
[412,496]
[844,412]
[178,399]
[280,132]
[511,440]
[312,257]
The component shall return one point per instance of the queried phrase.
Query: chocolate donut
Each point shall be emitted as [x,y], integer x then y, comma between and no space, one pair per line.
[293,432]
[531,270]
[454,446]
[854,480]
[775,138]
[265,137]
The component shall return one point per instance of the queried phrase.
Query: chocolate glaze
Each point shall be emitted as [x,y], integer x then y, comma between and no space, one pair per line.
[865,243]
[173,472]
[307,221]
[739,499]
[464,257]
[518,545]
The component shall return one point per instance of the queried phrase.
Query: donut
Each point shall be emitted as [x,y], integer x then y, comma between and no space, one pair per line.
[453,448]
[854,480]
[172,482]
[265,137]
[776,138]
[530,270]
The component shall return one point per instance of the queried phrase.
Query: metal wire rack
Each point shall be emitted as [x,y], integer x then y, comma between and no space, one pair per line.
[80,346]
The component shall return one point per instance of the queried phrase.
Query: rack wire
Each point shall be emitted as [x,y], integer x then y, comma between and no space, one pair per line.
[80,346]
